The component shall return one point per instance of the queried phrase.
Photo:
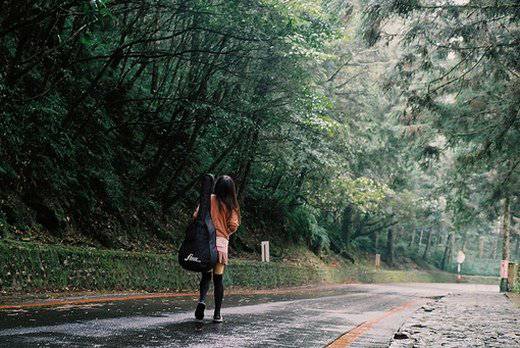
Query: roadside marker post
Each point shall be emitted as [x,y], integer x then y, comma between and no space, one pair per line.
[460,259]
[504,265]
[265,251]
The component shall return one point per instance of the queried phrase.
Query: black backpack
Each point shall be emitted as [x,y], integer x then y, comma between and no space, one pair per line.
[198,252]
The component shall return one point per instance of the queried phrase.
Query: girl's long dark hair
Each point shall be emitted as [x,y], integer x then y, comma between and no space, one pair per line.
[226,193]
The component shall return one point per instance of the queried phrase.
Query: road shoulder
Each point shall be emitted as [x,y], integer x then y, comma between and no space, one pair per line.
[515,298]
[462,320]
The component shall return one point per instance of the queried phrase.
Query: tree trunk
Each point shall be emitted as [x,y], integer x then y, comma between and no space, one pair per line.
[390,247]
[169,201]
[346,224]
[420,237]
[452,247]
[428,242]
[244,177]
[506,243]
[244,170]
[506,247]
[464,241]
[412,241]
[481,247]
[447,252]
[495,247]
[444,236]
[517,252]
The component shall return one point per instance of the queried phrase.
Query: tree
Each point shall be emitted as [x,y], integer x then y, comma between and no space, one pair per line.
[458,75]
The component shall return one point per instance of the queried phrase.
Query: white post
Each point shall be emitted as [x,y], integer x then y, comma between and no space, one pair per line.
[504,276]
[460,259]
[265,251]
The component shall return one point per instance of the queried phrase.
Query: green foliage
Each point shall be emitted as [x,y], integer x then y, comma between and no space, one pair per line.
[366,194]
[303,226]
[111,111]
[458,78]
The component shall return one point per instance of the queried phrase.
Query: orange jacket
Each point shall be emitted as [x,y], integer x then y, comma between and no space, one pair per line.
[225,223]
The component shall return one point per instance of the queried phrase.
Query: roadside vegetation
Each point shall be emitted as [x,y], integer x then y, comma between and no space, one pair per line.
[35,268]
[351,127]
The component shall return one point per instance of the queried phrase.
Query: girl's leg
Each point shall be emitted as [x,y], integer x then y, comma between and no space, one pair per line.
[204,286]
[218,285]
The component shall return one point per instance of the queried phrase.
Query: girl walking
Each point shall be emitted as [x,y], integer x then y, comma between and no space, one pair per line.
[225,214]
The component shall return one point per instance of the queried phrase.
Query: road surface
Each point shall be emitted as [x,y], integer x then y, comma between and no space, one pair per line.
[339,316]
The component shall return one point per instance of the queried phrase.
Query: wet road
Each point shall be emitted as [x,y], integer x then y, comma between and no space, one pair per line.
[346,315]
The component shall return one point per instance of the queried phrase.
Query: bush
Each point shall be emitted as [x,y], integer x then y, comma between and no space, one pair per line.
[302,225]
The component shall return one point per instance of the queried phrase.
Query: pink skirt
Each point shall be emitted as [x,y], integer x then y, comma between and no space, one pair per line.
[222,250]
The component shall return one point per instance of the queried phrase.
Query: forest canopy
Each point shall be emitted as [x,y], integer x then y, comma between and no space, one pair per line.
[347,125]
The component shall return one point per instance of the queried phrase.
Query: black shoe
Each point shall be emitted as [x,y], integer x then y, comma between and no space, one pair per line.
[218,319]
[199,312]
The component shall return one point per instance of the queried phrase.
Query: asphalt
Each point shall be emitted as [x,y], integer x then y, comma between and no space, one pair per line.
[339,316]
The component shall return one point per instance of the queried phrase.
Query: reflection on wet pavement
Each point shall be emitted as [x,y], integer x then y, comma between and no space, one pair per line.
[307,318]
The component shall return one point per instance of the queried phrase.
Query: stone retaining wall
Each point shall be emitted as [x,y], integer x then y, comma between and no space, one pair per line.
[29,266]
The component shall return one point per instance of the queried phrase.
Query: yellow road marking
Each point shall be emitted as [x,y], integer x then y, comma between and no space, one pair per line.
[352,335]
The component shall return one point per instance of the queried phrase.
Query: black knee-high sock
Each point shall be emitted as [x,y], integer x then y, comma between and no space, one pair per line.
[218,284]
[204,285]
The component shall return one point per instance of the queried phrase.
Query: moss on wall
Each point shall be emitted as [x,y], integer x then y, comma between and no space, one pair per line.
[29,266]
